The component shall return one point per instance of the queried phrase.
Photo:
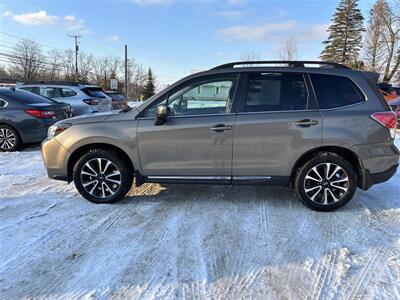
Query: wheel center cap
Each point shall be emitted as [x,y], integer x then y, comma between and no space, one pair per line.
[325,183]
[101,177]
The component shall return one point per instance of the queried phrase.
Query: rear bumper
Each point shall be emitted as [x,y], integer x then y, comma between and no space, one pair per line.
[371,179]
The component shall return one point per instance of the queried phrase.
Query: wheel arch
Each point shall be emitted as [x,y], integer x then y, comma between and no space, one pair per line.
[347,154]
[77,153]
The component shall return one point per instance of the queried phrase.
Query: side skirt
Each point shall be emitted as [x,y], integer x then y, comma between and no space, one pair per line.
[223,180]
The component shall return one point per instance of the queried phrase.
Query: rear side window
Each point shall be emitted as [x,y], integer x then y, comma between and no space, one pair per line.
[94,92]
[50,92]
[28,98]
[335,91]
[67,93]
[276,92]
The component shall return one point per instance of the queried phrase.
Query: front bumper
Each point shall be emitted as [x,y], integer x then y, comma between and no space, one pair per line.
[55,158]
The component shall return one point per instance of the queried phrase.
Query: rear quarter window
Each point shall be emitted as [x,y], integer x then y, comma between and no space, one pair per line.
[28,98]
[335,91]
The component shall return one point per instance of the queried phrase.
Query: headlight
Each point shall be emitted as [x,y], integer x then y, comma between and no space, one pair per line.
[56,129]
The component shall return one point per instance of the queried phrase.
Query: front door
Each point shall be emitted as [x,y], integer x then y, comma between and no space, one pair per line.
[277,122]
[196,140]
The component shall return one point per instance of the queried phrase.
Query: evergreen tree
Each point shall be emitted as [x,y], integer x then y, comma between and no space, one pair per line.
[345,35]
[149,88]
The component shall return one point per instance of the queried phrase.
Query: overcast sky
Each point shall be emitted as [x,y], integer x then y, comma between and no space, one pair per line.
[172,36]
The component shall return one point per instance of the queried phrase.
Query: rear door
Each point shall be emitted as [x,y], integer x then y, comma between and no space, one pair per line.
[277,122]
[195,143]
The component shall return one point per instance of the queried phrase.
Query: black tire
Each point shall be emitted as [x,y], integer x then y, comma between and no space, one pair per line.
[96,195]
[343,191]
[13,139]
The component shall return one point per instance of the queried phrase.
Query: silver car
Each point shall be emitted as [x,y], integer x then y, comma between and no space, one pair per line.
[324,131]
[83,99]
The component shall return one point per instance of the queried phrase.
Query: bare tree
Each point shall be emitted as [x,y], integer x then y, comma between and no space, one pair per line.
[289,50]
[54,61]
[249,56]
[27,60]
[85,66]
[3,73]
[374,49]
[137,77]
[391,39]
[68,65]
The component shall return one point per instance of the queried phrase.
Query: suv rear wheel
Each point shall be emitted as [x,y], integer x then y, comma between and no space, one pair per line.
[102,177]
[326,182]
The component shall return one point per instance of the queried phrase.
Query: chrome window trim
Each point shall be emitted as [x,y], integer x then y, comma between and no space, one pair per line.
[6,103]
[277,111]
[188,116]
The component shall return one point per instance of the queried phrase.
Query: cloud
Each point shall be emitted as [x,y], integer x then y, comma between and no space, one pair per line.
[112,38]
[274,32]
[35,18]
[230,14]
[70,23]
[153,2]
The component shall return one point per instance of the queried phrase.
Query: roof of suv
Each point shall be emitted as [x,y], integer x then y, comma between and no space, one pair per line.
[58,83]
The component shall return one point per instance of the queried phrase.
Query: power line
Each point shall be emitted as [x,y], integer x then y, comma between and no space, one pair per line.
[22,38]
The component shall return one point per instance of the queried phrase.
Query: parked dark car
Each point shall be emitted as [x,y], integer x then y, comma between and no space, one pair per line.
[119,100]
[25,117]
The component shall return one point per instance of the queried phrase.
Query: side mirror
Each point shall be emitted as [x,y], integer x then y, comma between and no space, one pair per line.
[162,114]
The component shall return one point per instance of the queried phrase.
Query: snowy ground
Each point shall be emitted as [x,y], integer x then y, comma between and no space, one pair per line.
[190,241]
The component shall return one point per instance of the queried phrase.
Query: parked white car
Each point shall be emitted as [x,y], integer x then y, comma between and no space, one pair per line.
[84,99]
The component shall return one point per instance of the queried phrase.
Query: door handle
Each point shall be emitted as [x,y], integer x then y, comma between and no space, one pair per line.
[306,123]
[220,128]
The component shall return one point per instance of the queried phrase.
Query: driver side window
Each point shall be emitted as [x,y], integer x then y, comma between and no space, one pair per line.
[200,98]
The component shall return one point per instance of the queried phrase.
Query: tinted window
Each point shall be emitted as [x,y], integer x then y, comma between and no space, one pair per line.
[2,103]
[200,98]
[116,96]
[335,91]
[94,92]
[31,89]
[67,93]
[276,92]
[27,97]
[50,92]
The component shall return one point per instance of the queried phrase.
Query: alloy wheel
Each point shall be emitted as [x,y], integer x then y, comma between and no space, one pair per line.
[326,183]
[7,139]
[101,178]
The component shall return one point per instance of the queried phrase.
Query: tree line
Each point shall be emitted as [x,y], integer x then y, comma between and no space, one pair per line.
[374,48]
[26,61]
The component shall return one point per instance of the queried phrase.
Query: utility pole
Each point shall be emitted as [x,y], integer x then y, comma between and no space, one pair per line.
[126,71]
[76,37]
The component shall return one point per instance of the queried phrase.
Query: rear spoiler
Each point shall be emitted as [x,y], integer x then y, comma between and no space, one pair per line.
[373,76]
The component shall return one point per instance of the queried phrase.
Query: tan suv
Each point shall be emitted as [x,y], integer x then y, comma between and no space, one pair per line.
[324,131]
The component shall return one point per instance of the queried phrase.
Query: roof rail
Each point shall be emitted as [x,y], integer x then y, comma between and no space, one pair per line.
[291,64]
[71,83]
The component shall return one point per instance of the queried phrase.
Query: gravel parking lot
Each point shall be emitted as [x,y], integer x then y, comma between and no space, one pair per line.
[191,241]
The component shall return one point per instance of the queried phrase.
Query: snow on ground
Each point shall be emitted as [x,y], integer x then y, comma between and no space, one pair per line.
[191,241]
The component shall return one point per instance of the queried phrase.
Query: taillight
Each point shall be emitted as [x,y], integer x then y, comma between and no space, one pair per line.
[41,114]
[387,119]
[91,101]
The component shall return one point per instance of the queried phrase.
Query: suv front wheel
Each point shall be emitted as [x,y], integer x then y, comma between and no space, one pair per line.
[325,182]
[102,177]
